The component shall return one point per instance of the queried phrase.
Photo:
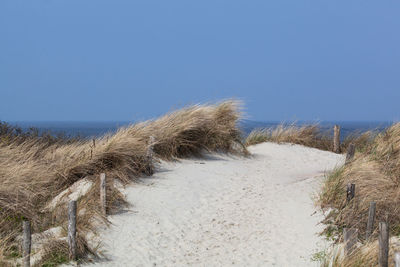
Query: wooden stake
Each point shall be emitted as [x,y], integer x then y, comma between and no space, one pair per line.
[350,152]
[26,243]
[351,188]
[150,154]
[151,147]
[72,229]
[103,194]
[371,219]
[350,240]
[383,244]
[336,139]
[94,143]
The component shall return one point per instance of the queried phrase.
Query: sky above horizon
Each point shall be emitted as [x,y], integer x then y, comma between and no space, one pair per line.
[98,60]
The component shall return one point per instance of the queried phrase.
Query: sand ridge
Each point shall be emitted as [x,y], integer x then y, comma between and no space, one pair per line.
[223,211]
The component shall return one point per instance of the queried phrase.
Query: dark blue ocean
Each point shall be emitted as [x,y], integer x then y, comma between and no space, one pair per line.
[96,129]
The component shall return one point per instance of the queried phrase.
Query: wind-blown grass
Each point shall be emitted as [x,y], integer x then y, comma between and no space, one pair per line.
[306,135]
[33,171]
[309,135]
[375,171]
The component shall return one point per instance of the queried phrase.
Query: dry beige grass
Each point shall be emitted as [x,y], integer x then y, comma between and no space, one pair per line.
[33,172]
[307,135]
[376,173]
[366,255]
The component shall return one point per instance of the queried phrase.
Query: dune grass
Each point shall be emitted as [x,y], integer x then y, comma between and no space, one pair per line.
[33,171]
[306,135]
[375,171]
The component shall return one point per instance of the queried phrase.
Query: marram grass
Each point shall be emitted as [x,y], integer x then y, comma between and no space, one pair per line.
[33,171]
[375,171]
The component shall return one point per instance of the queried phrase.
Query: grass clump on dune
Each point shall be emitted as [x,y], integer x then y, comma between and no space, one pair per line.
[306,135]
[375,171]
[33,171]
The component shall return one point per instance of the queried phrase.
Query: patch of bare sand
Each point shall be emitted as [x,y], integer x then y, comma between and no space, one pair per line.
[224,211]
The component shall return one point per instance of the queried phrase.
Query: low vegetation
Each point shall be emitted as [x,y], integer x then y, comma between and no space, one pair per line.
[375,170]
[10,134]
[306,135]
[34,169]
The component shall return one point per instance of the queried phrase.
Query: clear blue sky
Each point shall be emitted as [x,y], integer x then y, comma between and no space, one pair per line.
[128,60]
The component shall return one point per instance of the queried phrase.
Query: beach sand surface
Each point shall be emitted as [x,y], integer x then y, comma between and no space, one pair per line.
[222,211]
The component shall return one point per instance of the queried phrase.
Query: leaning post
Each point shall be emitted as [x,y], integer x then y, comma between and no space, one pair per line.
[26,243]
[150,154]
[371,219]
[350,153]
[103,194]
[383,244]
[72,229]
[336,139]
[351,190]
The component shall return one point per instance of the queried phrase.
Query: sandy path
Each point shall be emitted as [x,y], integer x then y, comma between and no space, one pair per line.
[223,211]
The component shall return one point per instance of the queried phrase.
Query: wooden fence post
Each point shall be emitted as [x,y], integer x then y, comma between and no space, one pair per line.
[103,194]
[350,240]
[26,243]
[150,149]
[336,139]
[350,152]
[383,244]
[150,154]
[371,219]
[351,188]
[397,259]
[72,229]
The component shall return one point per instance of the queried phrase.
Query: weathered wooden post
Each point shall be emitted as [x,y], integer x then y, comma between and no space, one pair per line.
[26,243]
[383,244]
[350,152]
[72,229]
[103,194]
[397,259]
[371,219]
[350,240]
[351,188]
[150,154]
[151,147]
[94,143]
[336,139]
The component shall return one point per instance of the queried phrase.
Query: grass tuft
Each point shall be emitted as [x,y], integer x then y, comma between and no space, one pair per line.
[307,135]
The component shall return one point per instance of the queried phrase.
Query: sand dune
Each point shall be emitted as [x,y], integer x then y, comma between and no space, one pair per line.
[223,211]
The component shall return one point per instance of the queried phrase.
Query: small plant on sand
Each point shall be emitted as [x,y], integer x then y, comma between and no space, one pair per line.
[319,256]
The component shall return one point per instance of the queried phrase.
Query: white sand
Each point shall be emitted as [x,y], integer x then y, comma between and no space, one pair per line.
[224,211]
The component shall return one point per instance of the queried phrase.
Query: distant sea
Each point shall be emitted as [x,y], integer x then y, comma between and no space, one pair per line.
[95,129]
